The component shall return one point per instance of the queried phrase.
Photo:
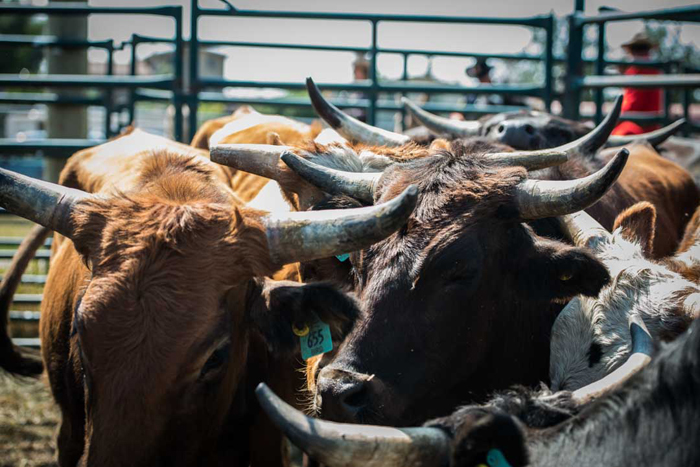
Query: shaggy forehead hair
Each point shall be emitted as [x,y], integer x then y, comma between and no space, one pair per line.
[161,257]
[588,325]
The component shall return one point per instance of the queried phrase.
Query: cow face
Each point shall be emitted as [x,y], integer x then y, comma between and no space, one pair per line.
[527,130]
[455,302]
[591,336]
[162,328]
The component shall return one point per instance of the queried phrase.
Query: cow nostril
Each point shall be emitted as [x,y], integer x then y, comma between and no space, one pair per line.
[355,396]
[501,128]
[529,129]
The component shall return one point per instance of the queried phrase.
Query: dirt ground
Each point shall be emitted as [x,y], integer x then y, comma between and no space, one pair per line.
[28,414]
[28,420]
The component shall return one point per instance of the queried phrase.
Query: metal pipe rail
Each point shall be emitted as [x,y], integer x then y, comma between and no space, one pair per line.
[374,87]
[106,83]
[63,147]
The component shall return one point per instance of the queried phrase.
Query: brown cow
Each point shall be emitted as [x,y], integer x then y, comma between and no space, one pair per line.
[158,320]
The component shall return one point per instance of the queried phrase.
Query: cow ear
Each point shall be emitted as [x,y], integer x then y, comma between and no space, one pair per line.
[638,224]
[555,271]
[484,436]
[280,306]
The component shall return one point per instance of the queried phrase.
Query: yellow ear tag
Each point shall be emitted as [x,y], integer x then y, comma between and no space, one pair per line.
[300,332]
[566,276]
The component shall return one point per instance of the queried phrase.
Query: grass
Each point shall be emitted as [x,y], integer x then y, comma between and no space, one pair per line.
[28,414]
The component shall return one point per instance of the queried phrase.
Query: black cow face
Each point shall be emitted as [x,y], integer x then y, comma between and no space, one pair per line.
[457,303]
[527,130]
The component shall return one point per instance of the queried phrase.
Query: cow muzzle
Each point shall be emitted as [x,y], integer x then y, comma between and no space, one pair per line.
[346,396]
[519,135]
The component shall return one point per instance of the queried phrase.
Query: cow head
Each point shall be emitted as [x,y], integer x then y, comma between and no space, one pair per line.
[590,338]
[464,280]
[173,293]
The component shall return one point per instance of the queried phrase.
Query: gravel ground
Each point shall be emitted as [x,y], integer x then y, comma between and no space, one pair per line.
[28,421]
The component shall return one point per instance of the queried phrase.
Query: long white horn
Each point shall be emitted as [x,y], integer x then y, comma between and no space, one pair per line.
[538,199]
[350,128]
[654,138]
[303,236]
[336,182]
[640,356]
[442,126]
[346,445]
[45,203]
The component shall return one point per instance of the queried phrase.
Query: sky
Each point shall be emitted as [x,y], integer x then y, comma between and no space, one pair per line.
[289,65]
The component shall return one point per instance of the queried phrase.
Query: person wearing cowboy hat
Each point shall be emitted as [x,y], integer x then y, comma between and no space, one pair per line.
[637,100]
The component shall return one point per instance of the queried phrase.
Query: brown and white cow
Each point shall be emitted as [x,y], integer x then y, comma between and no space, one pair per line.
[591,337]
[158,319]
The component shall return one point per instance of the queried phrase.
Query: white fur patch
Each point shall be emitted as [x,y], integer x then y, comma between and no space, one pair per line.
[270,199]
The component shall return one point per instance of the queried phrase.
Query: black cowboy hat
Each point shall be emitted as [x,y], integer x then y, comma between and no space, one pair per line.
[479,69]
[640,41]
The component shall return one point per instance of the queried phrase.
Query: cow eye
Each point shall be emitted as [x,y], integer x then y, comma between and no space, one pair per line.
[217,359]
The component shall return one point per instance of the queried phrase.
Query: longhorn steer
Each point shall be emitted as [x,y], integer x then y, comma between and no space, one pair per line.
[157,317]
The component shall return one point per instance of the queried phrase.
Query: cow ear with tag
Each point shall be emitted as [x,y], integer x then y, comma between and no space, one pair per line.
[485,437]
[554,271]
[286,313]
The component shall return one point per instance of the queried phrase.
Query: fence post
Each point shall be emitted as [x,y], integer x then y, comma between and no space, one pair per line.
[549,63]
[108,92]
[372,113]
[599,70]
[178,78]
[65,121]
[572,94]
[132,72]
[193,72]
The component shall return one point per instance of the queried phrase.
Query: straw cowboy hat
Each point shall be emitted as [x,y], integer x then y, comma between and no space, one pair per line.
[640,41]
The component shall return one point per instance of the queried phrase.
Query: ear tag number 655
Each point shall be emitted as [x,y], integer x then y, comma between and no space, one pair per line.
[316,341]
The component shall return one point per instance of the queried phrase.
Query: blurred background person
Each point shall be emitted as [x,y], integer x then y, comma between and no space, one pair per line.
[644,101]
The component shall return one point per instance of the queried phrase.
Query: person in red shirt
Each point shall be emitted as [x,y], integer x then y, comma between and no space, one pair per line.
[647,100]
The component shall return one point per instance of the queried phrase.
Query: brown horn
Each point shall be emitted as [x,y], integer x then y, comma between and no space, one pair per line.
[258,159]
[350,128]
[654,137]
[359,185]
[303,236]
[640,356]
[537,199]
[442,126]
[583,230]
[45,203]
[347,445]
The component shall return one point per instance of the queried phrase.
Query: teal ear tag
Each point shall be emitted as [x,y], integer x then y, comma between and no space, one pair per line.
[495,458]
[316,341]
[342,257]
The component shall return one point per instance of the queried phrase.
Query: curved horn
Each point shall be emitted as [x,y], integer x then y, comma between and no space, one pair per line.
[346,445]
[303,236]
[440,125]
[258,159]
[531,160]
[537,199]
[45,203]
[582,229]
[654,137]
[596,138]
[640,356]
[336,182]
[350,128]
